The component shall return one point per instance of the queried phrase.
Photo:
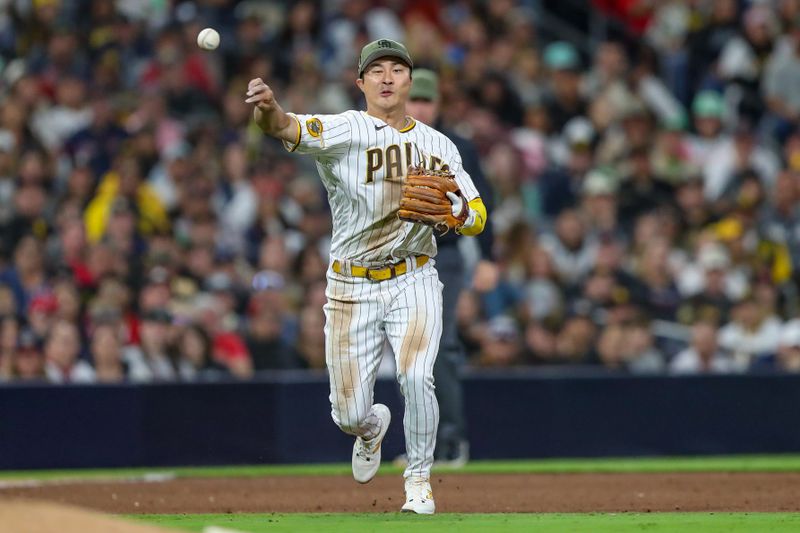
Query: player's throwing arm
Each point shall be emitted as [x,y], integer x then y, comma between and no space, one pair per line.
[268,114]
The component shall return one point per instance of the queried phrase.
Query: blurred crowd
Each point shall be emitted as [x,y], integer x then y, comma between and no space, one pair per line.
[646,184]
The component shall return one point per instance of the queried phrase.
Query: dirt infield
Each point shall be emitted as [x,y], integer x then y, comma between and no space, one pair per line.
[41,517]
[463,493]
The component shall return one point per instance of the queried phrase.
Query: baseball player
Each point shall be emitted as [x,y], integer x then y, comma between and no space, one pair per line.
[381,280]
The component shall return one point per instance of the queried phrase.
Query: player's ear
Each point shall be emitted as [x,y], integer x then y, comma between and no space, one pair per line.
[360,83]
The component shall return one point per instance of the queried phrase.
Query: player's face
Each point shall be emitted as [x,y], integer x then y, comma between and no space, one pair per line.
[386,83]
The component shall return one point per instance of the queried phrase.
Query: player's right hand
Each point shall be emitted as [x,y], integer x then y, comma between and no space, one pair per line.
[260,94]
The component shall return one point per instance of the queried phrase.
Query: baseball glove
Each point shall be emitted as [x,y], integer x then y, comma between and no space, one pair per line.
[432,197]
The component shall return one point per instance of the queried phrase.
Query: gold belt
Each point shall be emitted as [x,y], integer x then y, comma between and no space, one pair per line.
[378,274]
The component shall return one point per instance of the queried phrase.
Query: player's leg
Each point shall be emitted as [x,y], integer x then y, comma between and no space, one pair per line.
[451,436]
[414,328]
[353,348]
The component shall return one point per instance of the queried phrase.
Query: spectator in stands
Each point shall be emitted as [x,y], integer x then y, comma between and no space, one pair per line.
[641,191]
[106,353]
[310,338]
[600,206]
[61,350]
[711,286]
[704,355]
[572,248]
[268,330]
[543,296]
[564,100]
[501,346]
[789,347]
[782,71]
[27,275]
[27,359]
[753,334]
[576,341]
[708,114]
[193,351]
[149,193]
[629,346]
[560,184]
[9,331]
[152,362]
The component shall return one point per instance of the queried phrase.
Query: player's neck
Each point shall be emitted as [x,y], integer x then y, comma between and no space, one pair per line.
[396,118]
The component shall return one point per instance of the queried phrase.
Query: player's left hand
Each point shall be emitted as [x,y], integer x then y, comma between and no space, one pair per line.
[428,198]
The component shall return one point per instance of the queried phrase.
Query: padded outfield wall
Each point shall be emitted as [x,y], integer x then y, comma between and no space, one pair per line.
[286,419]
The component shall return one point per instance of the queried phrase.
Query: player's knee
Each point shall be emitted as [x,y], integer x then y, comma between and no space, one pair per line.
[348,420]
[416,379]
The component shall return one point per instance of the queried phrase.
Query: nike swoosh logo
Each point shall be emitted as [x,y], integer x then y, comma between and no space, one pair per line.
[379,128]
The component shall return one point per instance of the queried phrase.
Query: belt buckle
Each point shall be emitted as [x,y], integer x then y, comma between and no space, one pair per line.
[390,268]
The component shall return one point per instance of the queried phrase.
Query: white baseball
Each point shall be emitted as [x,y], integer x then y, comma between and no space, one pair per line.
[208,39]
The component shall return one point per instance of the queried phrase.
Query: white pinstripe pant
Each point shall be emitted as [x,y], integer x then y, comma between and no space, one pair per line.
[359,315]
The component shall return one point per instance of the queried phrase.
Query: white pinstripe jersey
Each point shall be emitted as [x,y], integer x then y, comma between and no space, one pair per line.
[362,161]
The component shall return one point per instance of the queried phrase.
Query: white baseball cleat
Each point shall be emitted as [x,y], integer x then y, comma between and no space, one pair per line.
[367,453]
[419,496]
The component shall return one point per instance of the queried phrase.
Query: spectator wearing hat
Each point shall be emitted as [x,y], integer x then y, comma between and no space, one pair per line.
[152,361]
[269,330]
[61,350]
[709,286]
[26,360]
[42,313]
[564,100]
[671,158]
[708,115]
[572,157]
[640,190]
[732,158]
[633,129]
[752,335]
[501,346]
[600,205]
[704,355]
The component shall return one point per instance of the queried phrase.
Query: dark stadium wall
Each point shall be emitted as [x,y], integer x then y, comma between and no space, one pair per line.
[286,419]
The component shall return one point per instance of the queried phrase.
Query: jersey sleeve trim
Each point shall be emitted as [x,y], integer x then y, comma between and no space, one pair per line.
[287,145]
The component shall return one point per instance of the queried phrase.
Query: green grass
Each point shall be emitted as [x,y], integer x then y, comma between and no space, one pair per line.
[745,463]
[468,523]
